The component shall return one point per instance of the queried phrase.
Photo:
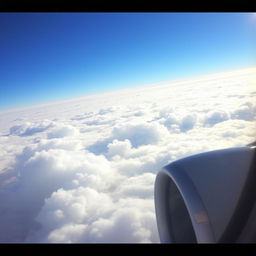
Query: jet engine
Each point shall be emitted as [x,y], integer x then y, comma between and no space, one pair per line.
[208,198]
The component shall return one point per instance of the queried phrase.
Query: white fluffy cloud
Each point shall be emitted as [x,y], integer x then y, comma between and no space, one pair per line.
[60,131]
[120,148]
[214,117]
[140,134]
[83,170]
[28,129]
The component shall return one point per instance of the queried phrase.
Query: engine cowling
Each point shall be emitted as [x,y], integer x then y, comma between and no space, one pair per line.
[208,198]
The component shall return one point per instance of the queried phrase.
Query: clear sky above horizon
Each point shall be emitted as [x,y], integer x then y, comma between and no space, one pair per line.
[53,56]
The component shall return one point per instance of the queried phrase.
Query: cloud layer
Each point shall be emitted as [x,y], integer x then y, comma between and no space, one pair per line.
[83,170]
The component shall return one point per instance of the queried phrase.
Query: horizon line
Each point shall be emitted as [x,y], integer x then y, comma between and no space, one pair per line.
[178,80]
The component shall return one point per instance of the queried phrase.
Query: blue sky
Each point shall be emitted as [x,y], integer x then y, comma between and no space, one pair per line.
[53,56]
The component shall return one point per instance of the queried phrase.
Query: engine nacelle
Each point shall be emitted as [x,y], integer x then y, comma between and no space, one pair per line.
[208,198]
